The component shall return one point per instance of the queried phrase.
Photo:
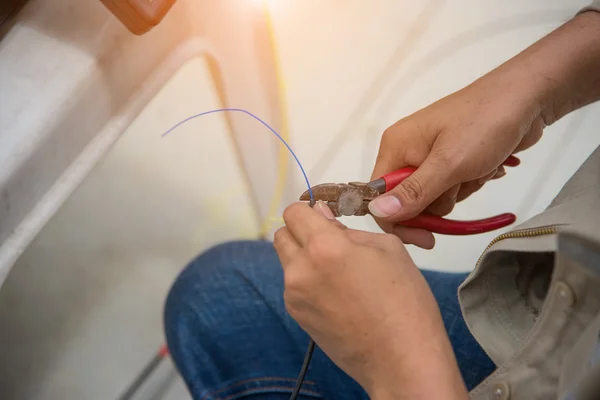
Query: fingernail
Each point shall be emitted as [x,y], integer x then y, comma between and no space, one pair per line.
[385,206]
[325,210]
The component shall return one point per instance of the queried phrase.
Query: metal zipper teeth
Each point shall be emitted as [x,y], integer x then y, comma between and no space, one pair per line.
[523,233]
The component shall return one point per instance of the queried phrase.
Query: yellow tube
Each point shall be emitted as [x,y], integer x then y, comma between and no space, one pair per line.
[283,155]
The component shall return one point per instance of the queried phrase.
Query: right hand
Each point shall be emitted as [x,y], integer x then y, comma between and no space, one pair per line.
[461,141]
[458,143]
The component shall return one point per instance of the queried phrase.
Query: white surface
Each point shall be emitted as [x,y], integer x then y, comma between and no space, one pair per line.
[101,268]
[81,309]
[75,79]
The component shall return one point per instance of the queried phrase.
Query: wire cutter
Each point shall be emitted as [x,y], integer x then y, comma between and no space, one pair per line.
[345,199]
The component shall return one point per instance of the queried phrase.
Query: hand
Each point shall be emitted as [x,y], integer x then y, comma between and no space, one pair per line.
[364,302]
[460,142]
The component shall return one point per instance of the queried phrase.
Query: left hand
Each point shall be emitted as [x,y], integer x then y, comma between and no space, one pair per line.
[364,302]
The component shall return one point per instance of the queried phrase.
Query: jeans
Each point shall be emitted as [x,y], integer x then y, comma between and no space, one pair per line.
[231,337]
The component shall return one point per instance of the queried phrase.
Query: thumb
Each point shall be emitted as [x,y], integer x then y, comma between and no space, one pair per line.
[415,193]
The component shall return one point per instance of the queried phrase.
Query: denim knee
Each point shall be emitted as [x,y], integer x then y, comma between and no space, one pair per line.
[211,276]
[226,324]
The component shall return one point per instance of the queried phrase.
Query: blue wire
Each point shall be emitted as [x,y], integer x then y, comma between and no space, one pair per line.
[310,192]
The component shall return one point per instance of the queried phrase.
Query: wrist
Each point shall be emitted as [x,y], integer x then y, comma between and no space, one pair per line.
[429,373]
[553,77]
[558,74]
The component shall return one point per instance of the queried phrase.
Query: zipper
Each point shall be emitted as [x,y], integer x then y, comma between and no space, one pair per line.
[523,233]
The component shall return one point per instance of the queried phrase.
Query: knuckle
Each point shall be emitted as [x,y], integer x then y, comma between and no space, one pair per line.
[338,224]
[446,208]
[388,134]
[391,240]
[394,244]
[412,189]
[449,159]
[297,290]
[278,235]
[400,130]
[442,206]
[291,304]
[293,281]
[386,226]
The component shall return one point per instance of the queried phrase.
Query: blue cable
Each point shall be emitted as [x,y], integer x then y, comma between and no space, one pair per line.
[259,120]
[311,344]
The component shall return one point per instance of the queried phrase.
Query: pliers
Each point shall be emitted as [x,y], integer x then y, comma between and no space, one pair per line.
[345,199]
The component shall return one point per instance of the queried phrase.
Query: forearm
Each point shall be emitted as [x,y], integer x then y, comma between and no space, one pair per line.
[561,72]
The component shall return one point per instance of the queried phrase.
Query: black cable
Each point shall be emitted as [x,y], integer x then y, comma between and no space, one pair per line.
[309,351]
[303,370]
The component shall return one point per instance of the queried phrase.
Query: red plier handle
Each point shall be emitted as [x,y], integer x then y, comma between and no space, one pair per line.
[441,225]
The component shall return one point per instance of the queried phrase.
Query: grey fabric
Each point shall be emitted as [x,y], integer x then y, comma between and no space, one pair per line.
[571,305]
[530,299]
[581,366]
[495,300]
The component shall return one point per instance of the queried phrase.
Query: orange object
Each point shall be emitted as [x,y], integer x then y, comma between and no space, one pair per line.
[139,16]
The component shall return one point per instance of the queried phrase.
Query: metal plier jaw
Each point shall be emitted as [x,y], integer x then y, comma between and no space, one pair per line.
[344,199]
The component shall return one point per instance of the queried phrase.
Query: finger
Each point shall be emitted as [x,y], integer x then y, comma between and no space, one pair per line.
[487,177]
[304,222]
[364,237]
[467,189]
[418,237]
[388,242]
[338,224]
[324,210]
[285,245]
[444,204]
[500,173]
[416,192]
[399,148]
[386,226]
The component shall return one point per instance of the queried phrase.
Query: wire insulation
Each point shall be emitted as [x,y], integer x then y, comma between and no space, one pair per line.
[259,120]
[304,369]
[311,344]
